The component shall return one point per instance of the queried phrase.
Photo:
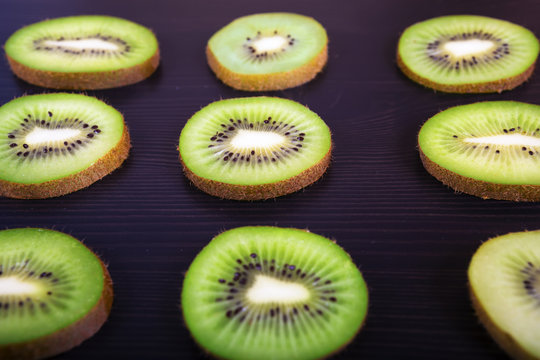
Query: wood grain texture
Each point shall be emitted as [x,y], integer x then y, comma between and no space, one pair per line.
[411,236]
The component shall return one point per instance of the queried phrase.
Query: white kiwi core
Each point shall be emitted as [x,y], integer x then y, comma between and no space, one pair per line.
[271,43]
[14,286]
[96,44]
[266,289]
[468,47]
[41,135]
[253,139]
[508,140]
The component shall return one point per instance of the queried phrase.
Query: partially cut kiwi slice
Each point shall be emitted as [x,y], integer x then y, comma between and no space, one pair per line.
[54,144]
[504,280]
[54,293]
[487,149]
[269,51]
[273,293]
[467,54]
[254,148]
[83,52]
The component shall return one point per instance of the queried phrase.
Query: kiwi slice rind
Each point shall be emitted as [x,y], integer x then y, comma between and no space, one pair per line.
[83,52]
[504,284]
[54,293]
[269,51]
[467,54]
[54,144]
[254,148]
[262,292]
[486,149]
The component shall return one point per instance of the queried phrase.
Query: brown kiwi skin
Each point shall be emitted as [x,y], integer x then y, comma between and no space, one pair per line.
[483,189]
[103,166]
[69,337]
[86,80]
[505,340]
[262,191]
[267,82]
[485,87]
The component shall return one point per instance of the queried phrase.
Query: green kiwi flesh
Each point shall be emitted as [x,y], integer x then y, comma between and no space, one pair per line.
[273,293]
[504,281]
[467,54]
[83,52]
[254,148]
[53,144]
[487,149]
[268,51]
[54,293]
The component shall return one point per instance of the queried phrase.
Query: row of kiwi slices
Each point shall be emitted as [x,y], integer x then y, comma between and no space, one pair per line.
[243,149]
[271,51]
[252,292]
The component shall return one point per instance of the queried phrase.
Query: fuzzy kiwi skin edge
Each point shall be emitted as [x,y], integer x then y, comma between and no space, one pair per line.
[86,80]
[483,189]
[484,87]
[262,191]
[69,337]
[335,352]
[502,338]
[103,166]
[273,81]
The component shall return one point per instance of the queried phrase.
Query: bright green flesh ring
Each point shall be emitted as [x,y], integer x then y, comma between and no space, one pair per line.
[224,141]
[48,281]
[273,293]
[51,136]
[246,46]
[82,44]
[496,142]
[504,277]
[466,50]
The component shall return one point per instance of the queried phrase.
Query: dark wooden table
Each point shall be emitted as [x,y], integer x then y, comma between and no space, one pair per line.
[411,236]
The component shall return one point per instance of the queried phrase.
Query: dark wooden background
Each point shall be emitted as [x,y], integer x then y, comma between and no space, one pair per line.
[411,236]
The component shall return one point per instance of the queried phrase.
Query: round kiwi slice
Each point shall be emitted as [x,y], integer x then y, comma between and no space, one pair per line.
[54,144]
[270,51]
[467,54]
[83,52]
[273,293]
[254,148]
[504,281]
[487,149]
[54,293]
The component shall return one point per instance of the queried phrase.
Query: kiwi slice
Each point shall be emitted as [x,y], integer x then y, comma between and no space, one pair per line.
[54,144]
[467,54]
[54,293]
[273,293]
[504,281]
[83,52]
[270,51]
[254,148]
[487,149]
